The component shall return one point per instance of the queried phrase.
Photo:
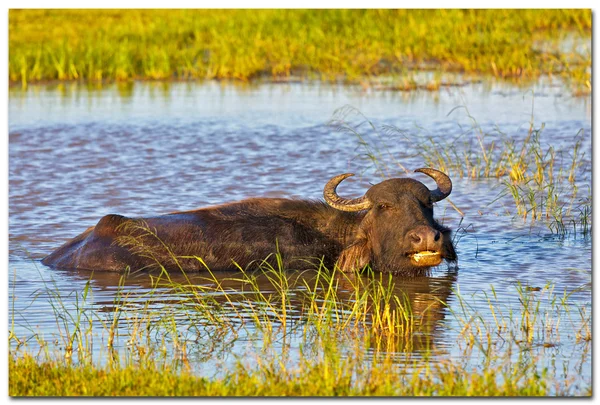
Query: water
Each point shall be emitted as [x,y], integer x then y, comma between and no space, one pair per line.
[76,154]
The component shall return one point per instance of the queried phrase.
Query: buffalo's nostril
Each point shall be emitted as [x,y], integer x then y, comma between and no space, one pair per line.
[424,238]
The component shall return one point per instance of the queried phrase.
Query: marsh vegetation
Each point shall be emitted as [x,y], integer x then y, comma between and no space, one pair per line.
[357,46]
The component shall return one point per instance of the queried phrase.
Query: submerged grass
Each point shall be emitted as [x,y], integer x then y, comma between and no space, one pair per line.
[357,45]
[315,333]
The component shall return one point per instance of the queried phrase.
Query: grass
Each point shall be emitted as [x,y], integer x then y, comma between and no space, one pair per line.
[354,45]
[314,333]
[30,378]
[546,183]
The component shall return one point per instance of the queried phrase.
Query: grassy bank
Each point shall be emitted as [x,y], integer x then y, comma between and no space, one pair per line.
[315,334]
[327,44]
[27,377]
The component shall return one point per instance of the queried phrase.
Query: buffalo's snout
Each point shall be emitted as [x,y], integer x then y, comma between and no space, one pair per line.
[424,238]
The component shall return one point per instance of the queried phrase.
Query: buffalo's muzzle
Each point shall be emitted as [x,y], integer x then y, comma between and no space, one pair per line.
[425,245]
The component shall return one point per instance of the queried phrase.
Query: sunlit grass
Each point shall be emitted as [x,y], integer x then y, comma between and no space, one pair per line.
[356,45]
[330,377]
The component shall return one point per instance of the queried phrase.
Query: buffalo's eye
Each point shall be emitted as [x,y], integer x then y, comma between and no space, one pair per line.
[383,206]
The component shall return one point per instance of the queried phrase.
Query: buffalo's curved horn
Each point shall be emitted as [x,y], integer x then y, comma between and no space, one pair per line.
[443,182]
[343,204]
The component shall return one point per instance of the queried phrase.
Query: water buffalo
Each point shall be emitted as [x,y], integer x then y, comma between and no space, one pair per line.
[391,228]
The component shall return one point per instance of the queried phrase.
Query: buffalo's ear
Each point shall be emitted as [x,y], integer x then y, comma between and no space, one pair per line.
[355,257]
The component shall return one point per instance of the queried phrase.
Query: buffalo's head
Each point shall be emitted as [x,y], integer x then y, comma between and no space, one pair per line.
[398,233]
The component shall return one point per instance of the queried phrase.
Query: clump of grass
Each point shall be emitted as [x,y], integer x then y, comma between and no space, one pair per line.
[542,188]
[357,45]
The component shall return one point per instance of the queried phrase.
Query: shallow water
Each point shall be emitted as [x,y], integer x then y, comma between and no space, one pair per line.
[76,154]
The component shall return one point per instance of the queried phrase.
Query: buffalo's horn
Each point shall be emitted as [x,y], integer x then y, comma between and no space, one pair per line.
[443,182]
[343,204]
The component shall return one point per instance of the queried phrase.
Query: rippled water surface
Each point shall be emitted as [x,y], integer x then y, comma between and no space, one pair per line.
[76,154]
